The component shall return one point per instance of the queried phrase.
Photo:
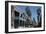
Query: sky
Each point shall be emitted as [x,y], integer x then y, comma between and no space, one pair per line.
[33,10]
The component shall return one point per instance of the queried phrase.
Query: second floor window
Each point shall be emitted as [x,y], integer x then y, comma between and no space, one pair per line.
[21,15]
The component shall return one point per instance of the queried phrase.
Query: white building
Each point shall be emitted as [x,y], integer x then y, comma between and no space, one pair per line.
[18,18]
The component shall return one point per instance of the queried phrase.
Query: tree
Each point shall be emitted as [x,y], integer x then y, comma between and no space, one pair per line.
[28,11]
[39,16]
[29,20]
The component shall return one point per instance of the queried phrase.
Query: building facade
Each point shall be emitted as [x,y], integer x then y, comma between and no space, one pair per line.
[19,19]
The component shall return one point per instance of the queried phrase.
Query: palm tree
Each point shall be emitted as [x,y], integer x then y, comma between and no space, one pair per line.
[39,16]
[28,11]
[29,20]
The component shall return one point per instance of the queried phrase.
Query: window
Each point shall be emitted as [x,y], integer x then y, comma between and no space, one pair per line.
[21,15]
